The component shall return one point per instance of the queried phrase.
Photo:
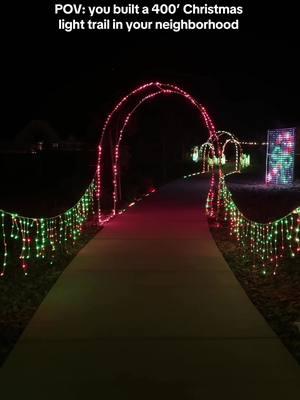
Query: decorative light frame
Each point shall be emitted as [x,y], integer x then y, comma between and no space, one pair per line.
[280,159]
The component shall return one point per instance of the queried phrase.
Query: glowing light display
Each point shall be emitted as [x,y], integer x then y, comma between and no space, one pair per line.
[245,161]
[268,242]
[207,153]
[23,238]
[195,154]
[118,121]
[280,156]
[216,161]
[38,238]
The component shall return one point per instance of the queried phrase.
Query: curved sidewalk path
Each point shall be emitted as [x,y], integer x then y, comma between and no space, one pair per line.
[149,309]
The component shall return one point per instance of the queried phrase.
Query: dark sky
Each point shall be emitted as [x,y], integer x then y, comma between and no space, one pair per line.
[249,80]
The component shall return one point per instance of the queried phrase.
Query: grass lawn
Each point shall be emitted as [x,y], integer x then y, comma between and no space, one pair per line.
[21,295]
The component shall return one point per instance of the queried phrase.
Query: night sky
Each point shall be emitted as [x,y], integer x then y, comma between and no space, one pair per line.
[248,80]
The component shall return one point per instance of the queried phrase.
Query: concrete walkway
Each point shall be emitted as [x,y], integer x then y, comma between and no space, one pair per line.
[150,310]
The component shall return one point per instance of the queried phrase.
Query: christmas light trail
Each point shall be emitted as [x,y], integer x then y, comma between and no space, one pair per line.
[24,239]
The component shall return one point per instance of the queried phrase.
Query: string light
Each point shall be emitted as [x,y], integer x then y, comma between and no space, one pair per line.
[27,238]
[117,122]
[254,143]
[238,152]
[268,242]
[41,237]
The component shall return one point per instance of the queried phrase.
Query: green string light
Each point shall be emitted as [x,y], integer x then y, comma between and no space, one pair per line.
[267,242]
[43,237]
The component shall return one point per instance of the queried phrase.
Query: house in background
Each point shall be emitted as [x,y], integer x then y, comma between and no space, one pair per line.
[38,135]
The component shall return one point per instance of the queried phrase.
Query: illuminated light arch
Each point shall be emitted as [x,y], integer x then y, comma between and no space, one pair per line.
[41,237]
[238,154]
[228,134]
[117,122]
[207,149]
